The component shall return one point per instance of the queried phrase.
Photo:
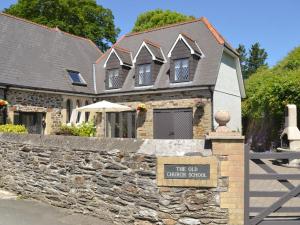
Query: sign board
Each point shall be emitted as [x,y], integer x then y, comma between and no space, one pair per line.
[187,171]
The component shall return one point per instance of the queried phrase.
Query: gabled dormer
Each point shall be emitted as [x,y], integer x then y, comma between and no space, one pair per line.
[184,57]
[117,66]
[148,61]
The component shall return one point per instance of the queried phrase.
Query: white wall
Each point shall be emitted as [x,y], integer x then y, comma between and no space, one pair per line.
[227,94]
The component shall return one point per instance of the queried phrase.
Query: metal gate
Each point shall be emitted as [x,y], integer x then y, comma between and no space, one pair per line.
[277,213]
[173,123]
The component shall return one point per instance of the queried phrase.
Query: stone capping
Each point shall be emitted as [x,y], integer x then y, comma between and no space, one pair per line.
[224,136]
[74,142]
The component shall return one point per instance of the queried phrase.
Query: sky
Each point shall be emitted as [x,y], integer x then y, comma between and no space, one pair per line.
[275,24]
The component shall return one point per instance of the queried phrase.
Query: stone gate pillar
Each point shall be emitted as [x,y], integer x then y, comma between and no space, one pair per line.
[228,146]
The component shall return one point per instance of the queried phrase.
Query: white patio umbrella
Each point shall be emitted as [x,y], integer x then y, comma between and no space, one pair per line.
[104,107]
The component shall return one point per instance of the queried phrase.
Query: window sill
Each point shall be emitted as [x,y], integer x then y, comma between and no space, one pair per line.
[79,84]
[144,86]
[112,89]
[182,83]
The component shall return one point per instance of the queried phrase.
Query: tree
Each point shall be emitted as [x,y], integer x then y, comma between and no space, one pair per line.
[158,18]
[251,61]
[243,58]
[268,91]
[257,58]
[79,17]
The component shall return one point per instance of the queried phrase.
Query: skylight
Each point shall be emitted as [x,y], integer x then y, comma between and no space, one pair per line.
[76,78]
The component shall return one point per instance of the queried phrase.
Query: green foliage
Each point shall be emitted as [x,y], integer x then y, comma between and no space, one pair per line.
[84,130]
[268,92]
[243,57]
[80,17]
[251,61]
[158,18]
[11,128]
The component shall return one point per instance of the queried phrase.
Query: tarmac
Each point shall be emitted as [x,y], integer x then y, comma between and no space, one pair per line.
[14,211]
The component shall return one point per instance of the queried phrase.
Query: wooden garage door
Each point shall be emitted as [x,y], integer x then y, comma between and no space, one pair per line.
[173,123]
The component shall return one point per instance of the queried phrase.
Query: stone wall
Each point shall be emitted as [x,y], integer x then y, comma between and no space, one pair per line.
[53,105]
[202,118]
[111,178]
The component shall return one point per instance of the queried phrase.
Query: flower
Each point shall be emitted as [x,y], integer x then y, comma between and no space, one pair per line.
[3,103]
[141,107]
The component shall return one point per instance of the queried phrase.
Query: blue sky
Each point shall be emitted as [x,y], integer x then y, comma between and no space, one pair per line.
[273,23]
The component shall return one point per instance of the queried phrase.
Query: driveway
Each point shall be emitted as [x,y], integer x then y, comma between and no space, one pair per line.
[28,212]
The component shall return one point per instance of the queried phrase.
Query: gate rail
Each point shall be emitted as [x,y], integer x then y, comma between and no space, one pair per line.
[263,217]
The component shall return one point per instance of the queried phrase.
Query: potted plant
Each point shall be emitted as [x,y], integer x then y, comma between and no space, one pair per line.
[141,108]
[199,103]
[3,104]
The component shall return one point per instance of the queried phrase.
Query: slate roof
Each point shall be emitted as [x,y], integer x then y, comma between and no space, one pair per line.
[155,49]
[125,55]
[192,43]
[36,56]
[200,31]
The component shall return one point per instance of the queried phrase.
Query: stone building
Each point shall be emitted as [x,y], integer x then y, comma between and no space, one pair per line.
[182,74]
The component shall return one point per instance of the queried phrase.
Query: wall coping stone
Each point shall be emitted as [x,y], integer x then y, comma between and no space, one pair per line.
[142,146]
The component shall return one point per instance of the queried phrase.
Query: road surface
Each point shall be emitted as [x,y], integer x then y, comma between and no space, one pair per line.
[28,212]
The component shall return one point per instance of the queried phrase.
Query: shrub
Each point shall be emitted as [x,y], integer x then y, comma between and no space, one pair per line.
[11,128]
[84,130]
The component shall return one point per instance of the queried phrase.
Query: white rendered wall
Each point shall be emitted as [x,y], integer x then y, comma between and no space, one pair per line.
[227,94]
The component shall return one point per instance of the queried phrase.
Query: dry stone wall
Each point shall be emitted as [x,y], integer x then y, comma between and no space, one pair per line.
[108,178]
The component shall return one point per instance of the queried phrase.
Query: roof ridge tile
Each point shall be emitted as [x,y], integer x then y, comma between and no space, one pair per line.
[163,27]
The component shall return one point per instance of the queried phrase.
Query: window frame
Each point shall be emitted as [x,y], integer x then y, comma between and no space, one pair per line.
[144,68]
[82,81]
[176,78]
[110,72]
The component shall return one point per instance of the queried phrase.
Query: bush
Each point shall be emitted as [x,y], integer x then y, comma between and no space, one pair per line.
[11,128]
[268,92]
[84,130]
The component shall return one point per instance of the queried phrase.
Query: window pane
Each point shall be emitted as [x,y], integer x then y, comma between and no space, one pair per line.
[145,74]
[76,77]
[181,70]
[113,78]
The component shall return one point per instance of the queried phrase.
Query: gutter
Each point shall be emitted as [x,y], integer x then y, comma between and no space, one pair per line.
[153,91]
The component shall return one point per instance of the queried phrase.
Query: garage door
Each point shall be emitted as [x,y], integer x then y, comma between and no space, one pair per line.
[173,123]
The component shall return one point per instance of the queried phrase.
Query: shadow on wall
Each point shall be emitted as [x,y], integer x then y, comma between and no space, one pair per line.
[198,114]
[141,118]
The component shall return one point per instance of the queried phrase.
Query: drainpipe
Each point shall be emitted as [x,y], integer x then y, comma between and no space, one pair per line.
[210,88]
[94,78]
[5,110]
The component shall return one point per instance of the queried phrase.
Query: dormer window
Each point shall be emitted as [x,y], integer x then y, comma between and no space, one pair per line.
[184,56]
[144,75]
[148,60]
[181,70]
[117,65]
[76,78]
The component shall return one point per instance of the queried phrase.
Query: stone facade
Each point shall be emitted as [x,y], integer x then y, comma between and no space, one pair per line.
[202,118]
[108,178]
[53,105]
[55,108]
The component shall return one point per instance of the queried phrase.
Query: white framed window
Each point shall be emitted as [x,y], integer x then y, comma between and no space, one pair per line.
[181,70]
[76,78]
[113,78]
[144,74]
